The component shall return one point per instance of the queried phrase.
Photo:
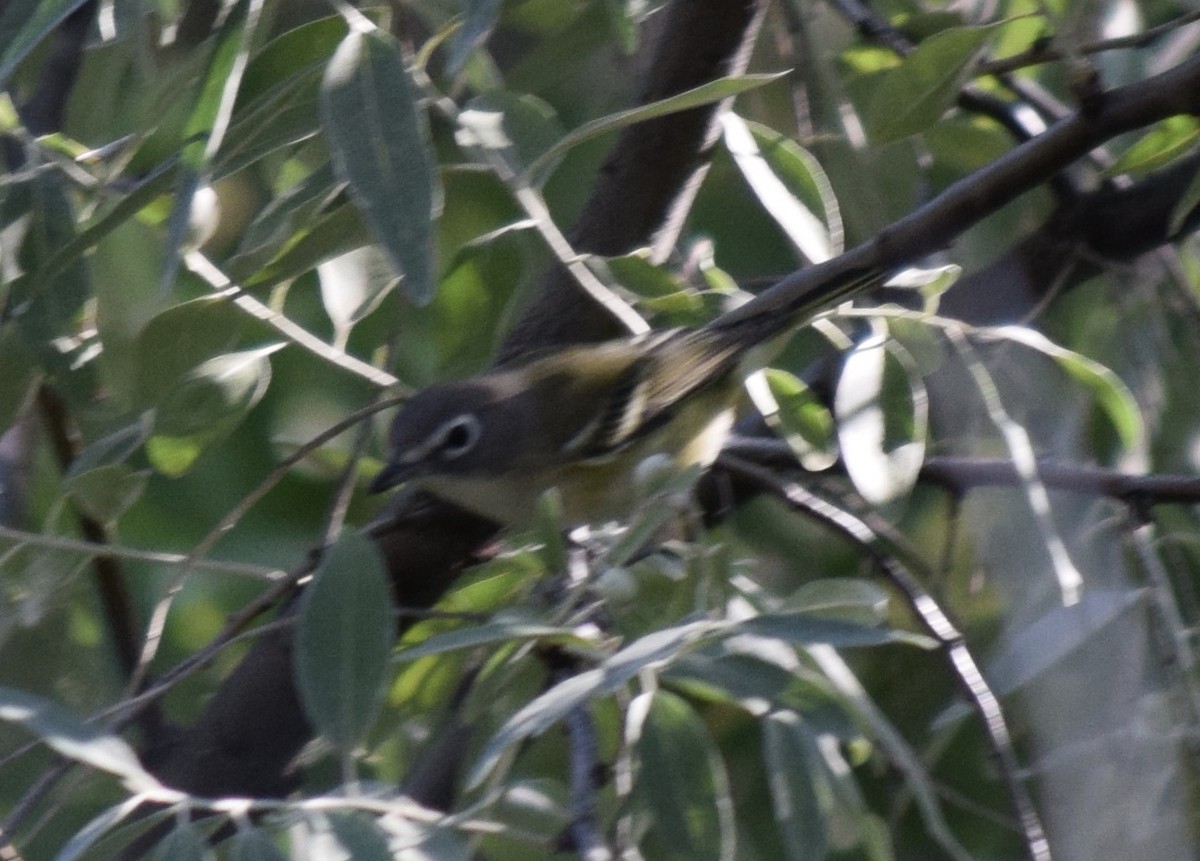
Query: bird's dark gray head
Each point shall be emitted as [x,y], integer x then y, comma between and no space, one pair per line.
[442,431]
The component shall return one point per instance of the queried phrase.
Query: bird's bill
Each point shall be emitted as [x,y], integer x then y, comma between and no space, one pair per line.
[391,475]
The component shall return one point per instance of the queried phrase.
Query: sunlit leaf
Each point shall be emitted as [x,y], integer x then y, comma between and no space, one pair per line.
[526,123]
[488,634]
[352,286]
[343,641]
[1111,393]
[794,412]
[72,738]
[807,232]
[882,420]
[206,406]
[1167,141]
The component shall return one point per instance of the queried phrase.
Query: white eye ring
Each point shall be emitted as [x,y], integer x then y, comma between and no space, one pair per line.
[458,436]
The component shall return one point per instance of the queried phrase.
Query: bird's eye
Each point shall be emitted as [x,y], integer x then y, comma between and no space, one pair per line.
[458,436]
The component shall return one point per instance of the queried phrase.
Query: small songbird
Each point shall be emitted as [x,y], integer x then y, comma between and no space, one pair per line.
[583,418]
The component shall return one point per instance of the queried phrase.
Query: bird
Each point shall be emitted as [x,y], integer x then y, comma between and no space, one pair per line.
[584,418]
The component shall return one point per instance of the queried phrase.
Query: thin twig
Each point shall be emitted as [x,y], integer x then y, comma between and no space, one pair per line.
[936,623]
[1044,53]
[587,838]
[59,542]
[158,619]
[530,200]
[222,286]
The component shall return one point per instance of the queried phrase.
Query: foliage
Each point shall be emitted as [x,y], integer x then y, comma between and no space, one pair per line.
[257,218]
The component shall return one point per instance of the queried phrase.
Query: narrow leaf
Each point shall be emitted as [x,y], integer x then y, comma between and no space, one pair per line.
[706,94]
[489,634]
[69,736]
[479,20]
[793,411]
[23,25]
[915,94]
[1113,396]
[794,774]
[682,790]
[182,843]
[650,652]
[252,844]
[206,406]
[882,420]
[345,635]
[806,231]
[379,139]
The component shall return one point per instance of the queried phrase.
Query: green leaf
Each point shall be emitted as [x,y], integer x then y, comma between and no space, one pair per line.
[713,91]
[290,213]
[331,233]
[807,232]
[98,829]
[501,119]
[658,289]
[491,633]
[457,332]
[252,844]
[156,182]
[23,25]
[1113,396]
[18,373]
[915,94]
[1165,142]
[46,309]
[182,843]
[352,286]
[799,793]
[278,101]
[1185,208]
[479,19]
[882,412]
[379,139]
[843,598]
[360,836]
[931,283]
[180,339]
[799,416]
[650,652]
[107,492]
[806,629]
[206,406]
[1053,637]
[681,794]
[72,738]
[115,448]
[344,639]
